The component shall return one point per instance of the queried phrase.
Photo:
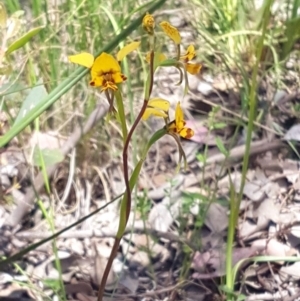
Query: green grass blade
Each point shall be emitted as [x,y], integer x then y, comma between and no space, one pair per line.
[23,40]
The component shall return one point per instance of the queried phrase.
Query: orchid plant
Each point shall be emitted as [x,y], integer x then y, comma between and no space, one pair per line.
[106,74]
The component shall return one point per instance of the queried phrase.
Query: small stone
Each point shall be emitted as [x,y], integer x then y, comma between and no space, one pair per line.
[204,88]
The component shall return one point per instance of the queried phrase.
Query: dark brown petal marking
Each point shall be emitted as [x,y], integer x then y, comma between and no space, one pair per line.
[189,133]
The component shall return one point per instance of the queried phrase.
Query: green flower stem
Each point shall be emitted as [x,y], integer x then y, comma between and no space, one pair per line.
[123,211]
[134,179]
[126,201]
[134,126]
[129,184]
[125,158]
[121,114]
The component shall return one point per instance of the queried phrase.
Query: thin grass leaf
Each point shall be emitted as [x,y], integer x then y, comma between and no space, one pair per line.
[221,146]
[292,33]
[23,40]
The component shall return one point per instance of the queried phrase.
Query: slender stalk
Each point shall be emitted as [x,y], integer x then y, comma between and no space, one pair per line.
[107,270]
[127,182]
[135,124]
[235,202]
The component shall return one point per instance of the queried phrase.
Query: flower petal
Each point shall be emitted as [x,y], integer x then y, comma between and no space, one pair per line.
[179,118]
[155,112]
[105,63]
[190,54]
[193,68]
[159,103]
[171,31]
[96,81]
[84,59]
[127,49]
[186,133]
[118,77]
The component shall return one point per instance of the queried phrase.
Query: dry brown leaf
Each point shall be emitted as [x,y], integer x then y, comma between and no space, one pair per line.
[276,248]
[293,133]
[213,261]
[290,272]
[268,209]
[216,212]
[48,140]
[160,218]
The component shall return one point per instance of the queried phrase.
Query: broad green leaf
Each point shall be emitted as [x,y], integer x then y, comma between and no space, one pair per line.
[50,157]
[3,16]
[23,40]
[34,98]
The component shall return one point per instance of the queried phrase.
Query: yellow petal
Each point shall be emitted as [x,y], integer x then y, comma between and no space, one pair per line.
[84,59]
[155,112]
[171,31]
[105,63]
[118,77]
[127,49]
[179,118]
[186,133]
[159,103]
[190,54]
[96,81]
[193,68]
